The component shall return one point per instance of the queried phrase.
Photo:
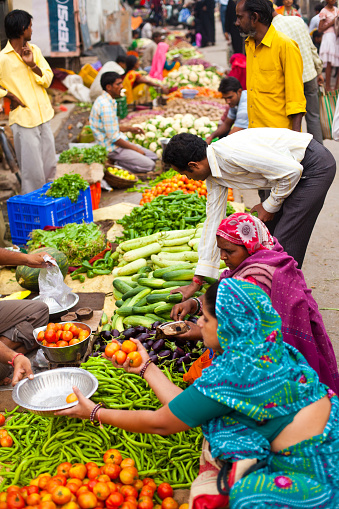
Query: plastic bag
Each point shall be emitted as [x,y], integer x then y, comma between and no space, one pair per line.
[39,360]
[51,283]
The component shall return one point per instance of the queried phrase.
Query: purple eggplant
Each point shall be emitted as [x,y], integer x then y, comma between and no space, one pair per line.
[176,355]
[139,329]
[154,359]
[95,354]
[180,351]
[185,360]
[102,348]
[115,333]
[106,335]
[159,345]
[180,341]
[128,333]
[164,354]
[152,331]
[181,370]
[142,337]
[150,342]
[146,346]
[156,324]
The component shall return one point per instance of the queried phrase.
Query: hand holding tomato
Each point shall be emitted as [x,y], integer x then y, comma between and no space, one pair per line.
[82,410]
[127,365]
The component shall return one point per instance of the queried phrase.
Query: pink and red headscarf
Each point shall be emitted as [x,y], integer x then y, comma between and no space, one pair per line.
[246,230]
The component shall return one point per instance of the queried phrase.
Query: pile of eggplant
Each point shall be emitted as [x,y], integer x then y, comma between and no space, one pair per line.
[177,350]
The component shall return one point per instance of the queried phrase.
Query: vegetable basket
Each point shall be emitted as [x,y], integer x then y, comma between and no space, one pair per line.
[115,181]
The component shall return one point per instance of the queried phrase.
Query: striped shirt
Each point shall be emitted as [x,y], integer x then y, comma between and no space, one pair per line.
[261,158]
[104,122]
[297,30]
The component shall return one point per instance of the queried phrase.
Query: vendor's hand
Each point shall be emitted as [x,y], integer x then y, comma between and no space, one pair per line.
[139,150]
[187,291]
[263,215]
[22,369]
[188,307]
[209,140]
[36,261]
[27,56]
[137,130]
[194,334]
[82,410]
[126,366]
[320,80]
[15,101]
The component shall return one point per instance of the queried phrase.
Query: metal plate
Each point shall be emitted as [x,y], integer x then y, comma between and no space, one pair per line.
[47,391]
[55,308]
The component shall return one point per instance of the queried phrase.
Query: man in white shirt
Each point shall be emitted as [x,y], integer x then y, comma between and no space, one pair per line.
[314,23]
[295,28]
[297,169]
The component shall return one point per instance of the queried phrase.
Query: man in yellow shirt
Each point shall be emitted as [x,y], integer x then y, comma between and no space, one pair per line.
[24,77]
[274,67]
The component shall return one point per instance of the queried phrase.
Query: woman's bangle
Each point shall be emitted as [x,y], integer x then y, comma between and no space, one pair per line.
[145,366]
[198,280]
[198,304]
[15,356]
[93,413]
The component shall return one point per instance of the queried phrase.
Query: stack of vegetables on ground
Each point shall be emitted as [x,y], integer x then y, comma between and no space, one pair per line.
[115,484]
[198,107]
[193,75]
[160,127]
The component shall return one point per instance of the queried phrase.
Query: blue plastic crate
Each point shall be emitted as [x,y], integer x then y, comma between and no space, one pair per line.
[36,210]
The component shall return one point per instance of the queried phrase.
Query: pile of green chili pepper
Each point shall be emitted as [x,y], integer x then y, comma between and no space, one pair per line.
[101,267]
[177,211]
[42,443]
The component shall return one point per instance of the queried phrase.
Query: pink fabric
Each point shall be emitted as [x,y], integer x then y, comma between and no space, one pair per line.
[238,70]
[302,325]
[246,230]
[158,62]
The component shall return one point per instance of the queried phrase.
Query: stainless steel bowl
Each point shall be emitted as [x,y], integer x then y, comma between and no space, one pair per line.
[47,392]
[64,354]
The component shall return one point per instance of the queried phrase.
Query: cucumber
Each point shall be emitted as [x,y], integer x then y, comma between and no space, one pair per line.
[175,284]
[107,326]
[147,309]
[163,290]
[187,256]
[142,302]
[139,296]
[133,291]
[135,320]
[155,318]
[125,311]
[128,245]
[121,286]
[136,277]
[176,234]
[144,270]
[119,303]
[160,272]
[151,282]
[163,308]
[119,324]
[210,280]
[176,242]
[175,249]
[116,294]
[174,298]
[114,320]
[128,280]
[163,262]
[179,275]
[132,267]
[122,263]
[157,297]
[142,252]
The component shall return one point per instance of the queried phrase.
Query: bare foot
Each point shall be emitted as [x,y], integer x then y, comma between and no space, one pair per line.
[5,381]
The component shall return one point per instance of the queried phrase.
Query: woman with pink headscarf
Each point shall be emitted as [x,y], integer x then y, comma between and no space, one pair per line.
[251,253]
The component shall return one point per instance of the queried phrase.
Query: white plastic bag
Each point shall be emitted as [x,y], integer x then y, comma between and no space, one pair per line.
[51,283]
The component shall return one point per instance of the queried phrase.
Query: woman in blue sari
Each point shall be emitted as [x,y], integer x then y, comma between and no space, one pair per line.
[258,399]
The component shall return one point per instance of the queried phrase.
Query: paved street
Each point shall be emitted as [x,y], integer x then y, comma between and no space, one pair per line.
[321,266]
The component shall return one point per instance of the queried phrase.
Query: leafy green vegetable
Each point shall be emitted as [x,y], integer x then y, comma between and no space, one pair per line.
[68,186]
[78,241]
[95,154]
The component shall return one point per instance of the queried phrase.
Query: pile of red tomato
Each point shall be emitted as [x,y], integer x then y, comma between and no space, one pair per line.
[178,182]
[58,335]
[126,350]
[115,485]
[5,439]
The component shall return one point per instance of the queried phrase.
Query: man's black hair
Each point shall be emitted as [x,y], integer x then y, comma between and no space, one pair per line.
[262,7]
[108,78]
[131,60]
[155,35]
[318,7]
[16,22]
[184,148]
[121,58]
[135,32]
[229,84]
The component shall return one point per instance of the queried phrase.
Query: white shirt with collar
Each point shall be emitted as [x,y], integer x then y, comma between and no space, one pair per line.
[261,158]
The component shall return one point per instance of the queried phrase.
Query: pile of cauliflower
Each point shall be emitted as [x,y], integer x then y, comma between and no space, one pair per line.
[159,128]
[192,75]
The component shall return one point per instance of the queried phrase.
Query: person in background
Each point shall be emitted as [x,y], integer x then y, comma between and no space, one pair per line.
[314,23]
[237,118]
[231,31]
[150,50]
[296,169]
[275,89]
[222,10]
[329,47]
[104,123]
[287,9]
[317,38]
[204,12]
[133,47]
[24,77]
[121,60]
[147,29]
[295,28]
[135,83]
[18,319]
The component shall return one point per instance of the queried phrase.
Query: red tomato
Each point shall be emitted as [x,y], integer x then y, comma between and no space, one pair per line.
[15,500]
[135,359]
[51,326]
[63,469]
[165,490]
[120,357]
[145,503]
[114,500]
[111,349]
[61,343]
[128,346]
[169,503]
[150,483]
[41,336]
[78,470]
[91,484]
[67,336]
[112,456]
[129,491]
[6,441]
[147,491]
[33,499]
[128,475]
[87,500]
[101,491]
[67,326]
[138,484]
[127,505]
[93,472]
[50,336]
[133,501]
[90,464]
[112,470]
[74,330]
[61,478]
[32,489]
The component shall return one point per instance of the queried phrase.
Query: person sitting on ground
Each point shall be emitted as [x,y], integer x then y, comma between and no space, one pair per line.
[259,399]
[250,252]
[133,47]
[18,319]
[121,60]
[237,118]
[135,83]
[317,38]
[104,123]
